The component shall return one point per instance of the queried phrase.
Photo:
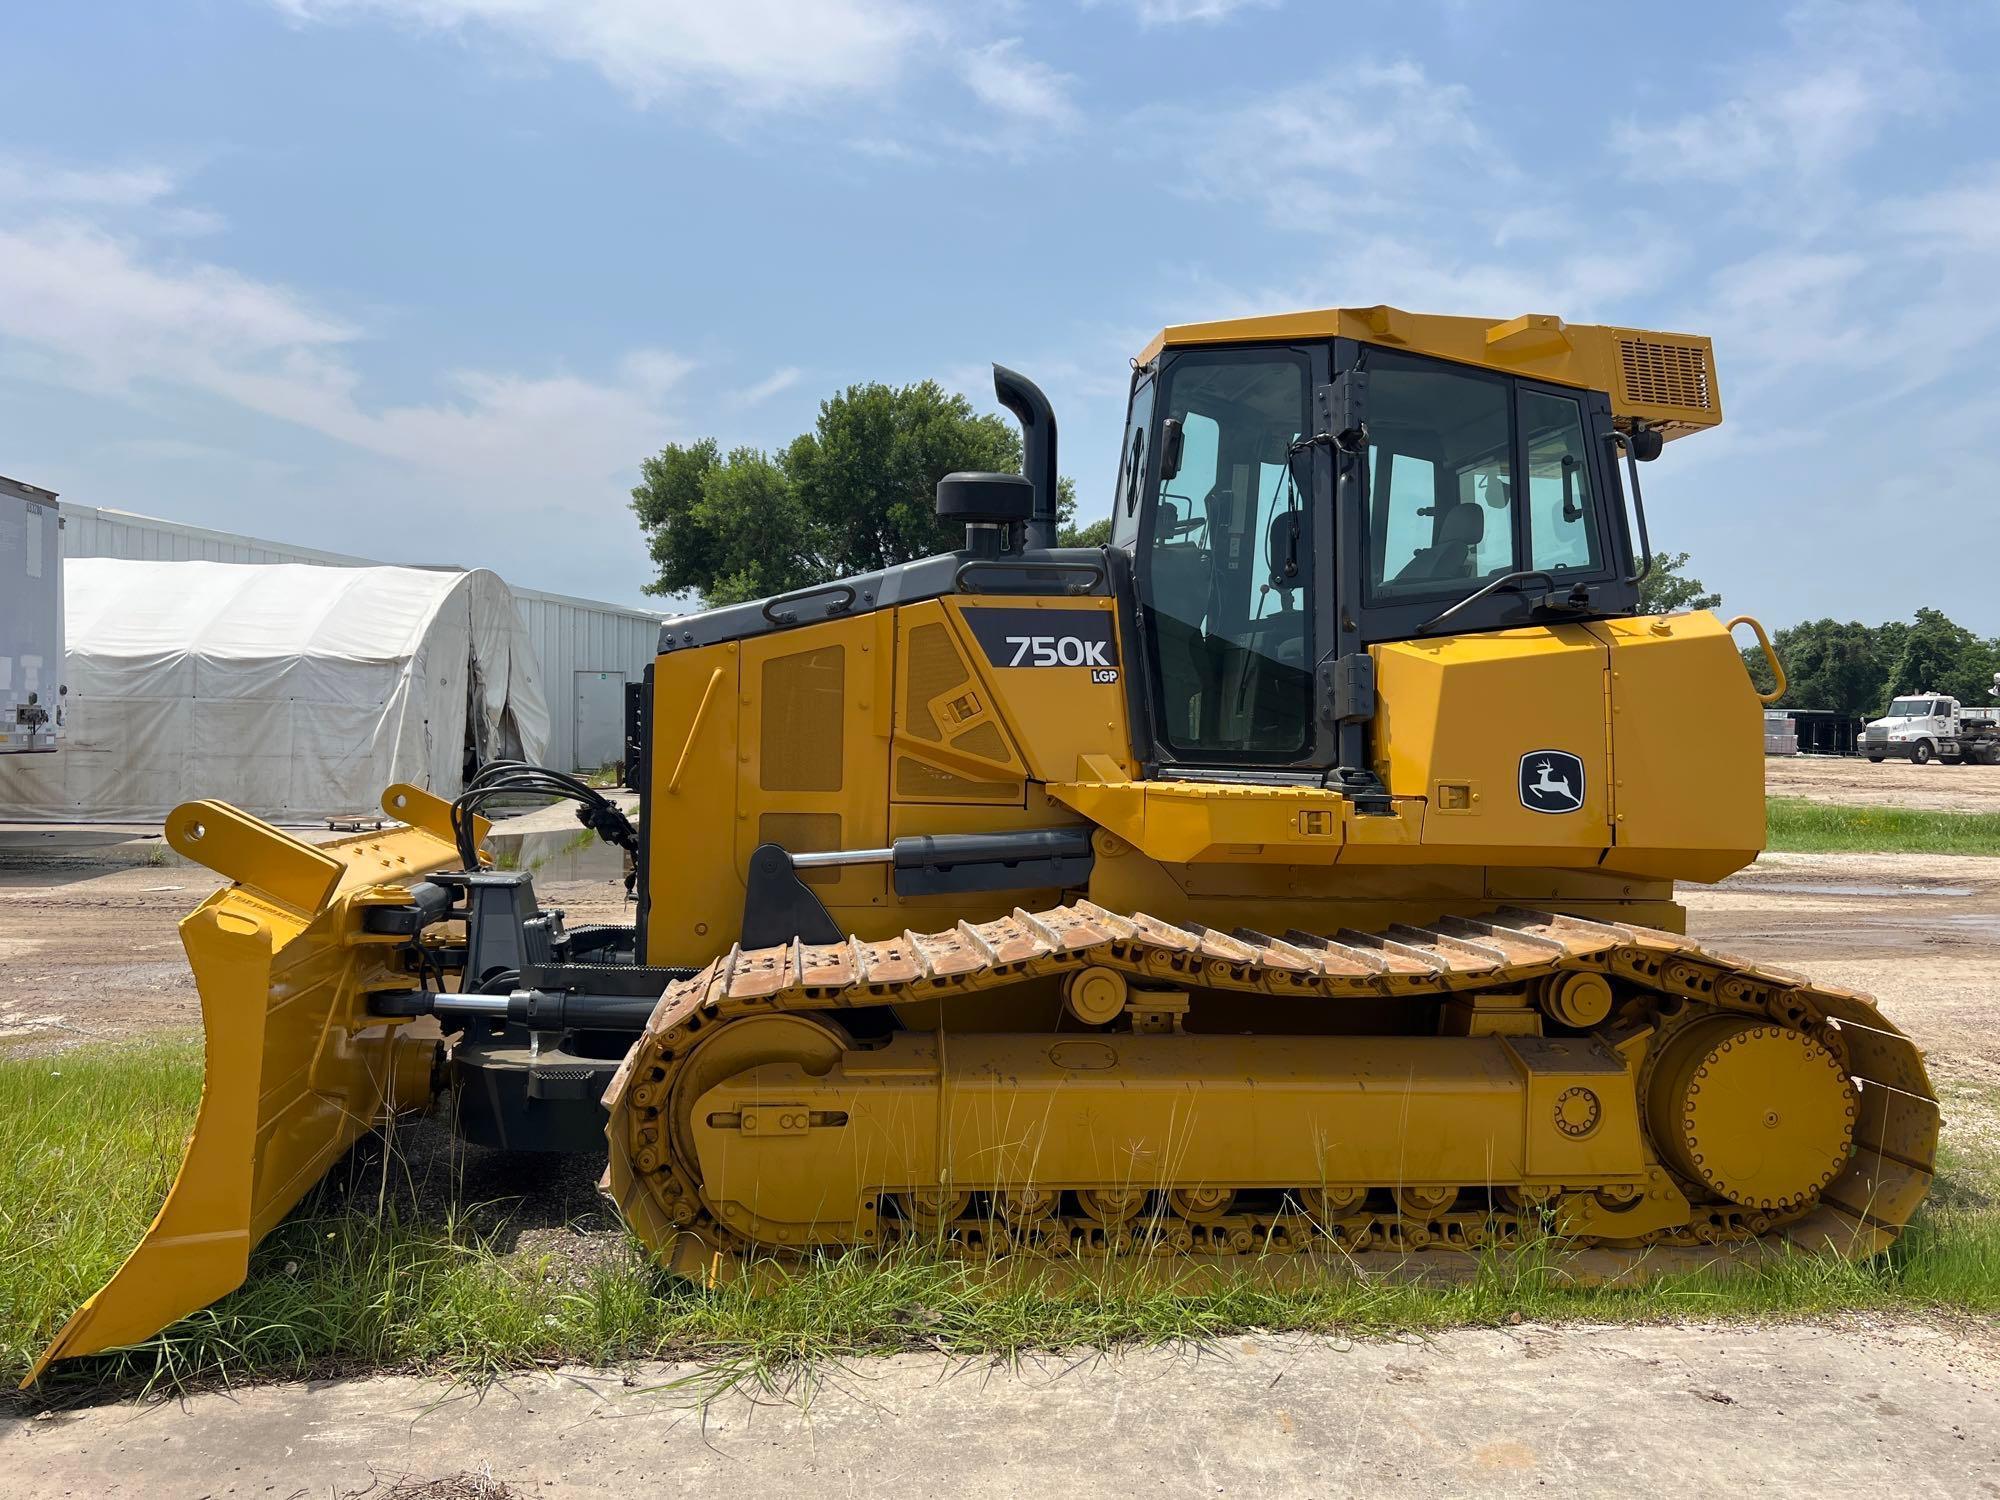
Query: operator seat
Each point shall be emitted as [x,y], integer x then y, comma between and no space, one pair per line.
[1282,636]
[1459,532]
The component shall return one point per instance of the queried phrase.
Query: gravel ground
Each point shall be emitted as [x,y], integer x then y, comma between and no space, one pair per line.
[1894,783]
[1861,1407]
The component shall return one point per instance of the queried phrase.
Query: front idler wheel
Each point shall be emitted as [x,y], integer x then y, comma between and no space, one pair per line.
[1756,1114]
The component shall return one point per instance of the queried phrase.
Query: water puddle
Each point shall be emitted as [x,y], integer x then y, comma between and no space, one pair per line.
[1976,925]
[1828,888]
[1876,934]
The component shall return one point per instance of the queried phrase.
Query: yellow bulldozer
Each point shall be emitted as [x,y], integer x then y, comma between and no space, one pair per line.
[1290,878]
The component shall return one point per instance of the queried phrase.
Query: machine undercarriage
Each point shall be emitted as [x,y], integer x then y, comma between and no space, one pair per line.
[1460,1084]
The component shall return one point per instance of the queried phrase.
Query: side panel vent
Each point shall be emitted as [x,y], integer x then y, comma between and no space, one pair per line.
[983,741]
[1662,374]
[935,669]
[799,749]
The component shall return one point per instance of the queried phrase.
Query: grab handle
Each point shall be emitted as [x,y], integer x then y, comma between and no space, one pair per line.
[1777,671]
[1093,572]
[779,616]
[1628,443]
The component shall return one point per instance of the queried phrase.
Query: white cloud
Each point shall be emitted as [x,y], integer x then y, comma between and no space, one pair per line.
[1963,216]
[777,381]
[1375,137]
[655,370]
[136,193]
[76,289]
[105,315]
[1595,285]
[746,56]
[1175,12]
[1409,200]
[886,148]
[1888,300]
[24,180]
[526,441]
[1787,306]
[1007,79]
[1853,66]
[760,53]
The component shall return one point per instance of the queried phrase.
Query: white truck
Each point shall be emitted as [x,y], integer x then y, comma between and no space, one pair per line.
[31,619]
[1923,727]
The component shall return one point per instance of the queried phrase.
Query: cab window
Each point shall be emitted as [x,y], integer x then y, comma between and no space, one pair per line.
[1228,559]
[1132,462]
[1562,514]
[1441,498]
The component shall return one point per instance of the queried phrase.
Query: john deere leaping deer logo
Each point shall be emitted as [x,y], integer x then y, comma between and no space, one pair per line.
[1551,781]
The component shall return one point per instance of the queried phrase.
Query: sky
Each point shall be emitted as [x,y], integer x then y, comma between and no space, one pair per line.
[424,280]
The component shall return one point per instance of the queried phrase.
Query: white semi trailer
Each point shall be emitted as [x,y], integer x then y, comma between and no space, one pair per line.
[31,619]
[1923,727]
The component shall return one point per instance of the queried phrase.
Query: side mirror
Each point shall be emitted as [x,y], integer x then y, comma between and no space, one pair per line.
[1646,444]
[1172,439]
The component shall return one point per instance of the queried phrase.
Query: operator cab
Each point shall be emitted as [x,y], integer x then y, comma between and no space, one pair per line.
[1288,504]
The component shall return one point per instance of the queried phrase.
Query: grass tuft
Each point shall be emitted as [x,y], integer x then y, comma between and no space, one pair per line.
[396,1268]
[89,1142]
[1799,825]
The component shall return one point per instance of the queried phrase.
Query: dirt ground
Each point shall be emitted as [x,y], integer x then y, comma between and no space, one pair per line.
[1862,1407]
[1894,783]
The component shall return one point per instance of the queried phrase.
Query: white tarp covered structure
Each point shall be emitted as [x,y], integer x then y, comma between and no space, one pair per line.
[294,692]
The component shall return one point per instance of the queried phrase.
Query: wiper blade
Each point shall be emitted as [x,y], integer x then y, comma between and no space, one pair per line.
[1577,600]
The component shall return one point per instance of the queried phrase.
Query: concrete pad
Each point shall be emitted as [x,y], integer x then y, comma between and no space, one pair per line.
[1849,1410]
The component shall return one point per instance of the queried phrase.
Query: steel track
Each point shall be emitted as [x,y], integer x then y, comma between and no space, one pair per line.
[657,1186]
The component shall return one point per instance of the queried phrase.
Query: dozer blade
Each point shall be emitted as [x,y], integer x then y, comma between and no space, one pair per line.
[296,1068]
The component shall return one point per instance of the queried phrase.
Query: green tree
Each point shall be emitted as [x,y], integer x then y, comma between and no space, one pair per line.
[867,473]
[670,485]
[1096,534]
[1889,638]
[1828,664]
[1978,678]
[1669,589]
[856,493]
[1856,669]
[1938,655]
[1930,654]
[729,528]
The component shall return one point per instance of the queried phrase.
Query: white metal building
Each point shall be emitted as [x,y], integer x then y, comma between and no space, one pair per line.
[587,650]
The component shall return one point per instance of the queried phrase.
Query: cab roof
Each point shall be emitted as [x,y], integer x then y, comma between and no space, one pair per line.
[1666,380]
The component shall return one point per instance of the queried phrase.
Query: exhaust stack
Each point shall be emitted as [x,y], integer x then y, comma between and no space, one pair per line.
[1031,409]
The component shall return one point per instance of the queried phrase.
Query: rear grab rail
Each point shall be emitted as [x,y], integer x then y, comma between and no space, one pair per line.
[1770,655]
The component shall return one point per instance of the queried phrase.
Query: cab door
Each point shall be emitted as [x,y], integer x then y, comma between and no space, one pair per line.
[1229,554]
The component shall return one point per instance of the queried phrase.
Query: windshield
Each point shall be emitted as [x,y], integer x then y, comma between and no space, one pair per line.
[1229,560]
[1910,708]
